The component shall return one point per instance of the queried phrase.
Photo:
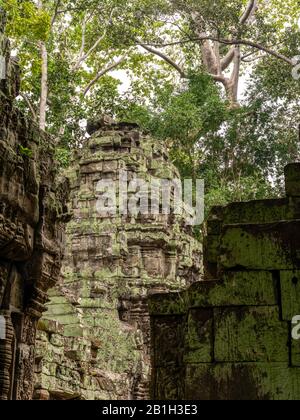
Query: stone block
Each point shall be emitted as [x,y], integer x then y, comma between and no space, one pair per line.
[110,166]
[74,331]
[57,340]
[295,353]
[87,168]
[167,333]
[41,395]
[211,249]
[198,338]
[238,288]
[257,212]
[169,384]
[290,294]
[213,227]
[250,335]
[254,381]
[50,326]
[261,247]
[168,304]
[292,179]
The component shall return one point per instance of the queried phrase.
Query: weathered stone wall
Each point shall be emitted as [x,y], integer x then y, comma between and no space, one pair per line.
[229,337]
[31,233]
[94,339]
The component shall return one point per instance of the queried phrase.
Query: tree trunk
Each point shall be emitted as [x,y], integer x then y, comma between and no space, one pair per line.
[216,65]
[44,86]
[44,80]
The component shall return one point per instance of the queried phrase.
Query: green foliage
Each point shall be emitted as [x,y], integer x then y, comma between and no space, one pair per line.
[240,152]
[24,151]
[25,20]
[62,155]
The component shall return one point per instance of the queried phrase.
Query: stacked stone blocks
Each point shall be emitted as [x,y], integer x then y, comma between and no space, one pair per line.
[32,215]
[113,261]
[230,337]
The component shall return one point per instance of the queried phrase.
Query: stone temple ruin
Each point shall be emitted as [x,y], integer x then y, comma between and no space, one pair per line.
[133,314]
[94,339]
[230,336]
[32,216]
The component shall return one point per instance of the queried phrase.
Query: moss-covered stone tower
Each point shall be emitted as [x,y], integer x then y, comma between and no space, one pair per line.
[94,339]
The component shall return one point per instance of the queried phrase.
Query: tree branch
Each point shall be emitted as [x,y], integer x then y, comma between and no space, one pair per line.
[234,79]
[101,73]
[165,58]
[216,48]
[227,60]
[248,12]
[208,52]
[251,60]
[257,54]
[258,47]
[30,106]
[219,78]
[251,7]
[82,57]
[56,12]
[85,56]
[81,52]
[229,42]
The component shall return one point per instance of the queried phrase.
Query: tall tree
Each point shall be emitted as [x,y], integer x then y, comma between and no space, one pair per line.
[184,62]
[65,48]
[226,37]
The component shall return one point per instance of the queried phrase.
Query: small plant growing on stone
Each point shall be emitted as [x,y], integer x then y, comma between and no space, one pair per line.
[24,151]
